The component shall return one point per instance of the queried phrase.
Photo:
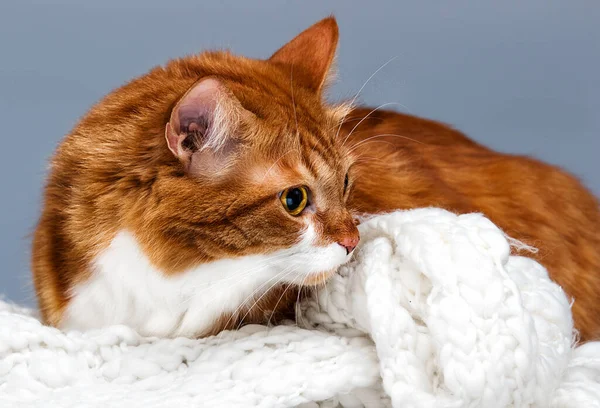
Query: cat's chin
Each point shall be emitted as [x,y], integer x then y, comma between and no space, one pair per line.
[318,278]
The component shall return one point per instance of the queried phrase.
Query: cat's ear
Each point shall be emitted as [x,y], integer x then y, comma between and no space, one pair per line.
[202,128]
[310,54]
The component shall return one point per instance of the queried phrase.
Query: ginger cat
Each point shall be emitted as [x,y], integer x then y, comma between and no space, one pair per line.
[206,193]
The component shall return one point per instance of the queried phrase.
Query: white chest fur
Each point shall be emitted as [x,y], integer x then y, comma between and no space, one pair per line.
[125,288]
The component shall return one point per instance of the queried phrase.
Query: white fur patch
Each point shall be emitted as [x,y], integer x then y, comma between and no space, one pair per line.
[126,289]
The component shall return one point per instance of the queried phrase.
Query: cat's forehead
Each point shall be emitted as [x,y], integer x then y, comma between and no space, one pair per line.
[272,94]
[312,163]
[272,102]
[298,131]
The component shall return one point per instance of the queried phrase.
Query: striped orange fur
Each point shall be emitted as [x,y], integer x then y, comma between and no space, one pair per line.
[132,164]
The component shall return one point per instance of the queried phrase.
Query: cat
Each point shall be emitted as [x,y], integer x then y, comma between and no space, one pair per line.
[215,190]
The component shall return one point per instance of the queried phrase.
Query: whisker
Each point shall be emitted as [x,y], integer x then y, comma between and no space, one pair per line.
[360,90]
[298,297]
[383,135]
[293,100]
[281,276]
[244,275]
[377,141]
[275,163]
[366,116]
[237,310]
[369,159]
[265,263]
[279,300]
[317,295]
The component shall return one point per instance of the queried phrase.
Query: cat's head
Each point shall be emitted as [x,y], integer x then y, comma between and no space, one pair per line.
[253,161]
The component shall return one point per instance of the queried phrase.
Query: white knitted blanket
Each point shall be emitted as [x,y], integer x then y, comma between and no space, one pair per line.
[431,312]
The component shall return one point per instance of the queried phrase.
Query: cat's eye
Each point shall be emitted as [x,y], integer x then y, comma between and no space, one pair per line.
[294,199]
[346,180]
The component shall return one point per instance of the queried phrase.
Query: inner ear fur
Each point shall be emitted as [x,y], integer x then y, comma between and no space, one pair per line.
[203,125]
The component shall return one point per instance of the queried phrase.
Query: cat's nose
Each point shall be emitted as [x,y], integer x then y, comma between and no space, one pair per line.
[349,242]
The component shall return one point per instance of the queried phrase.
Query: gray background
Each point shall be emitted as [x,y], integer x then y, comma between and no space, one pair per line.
[519,76]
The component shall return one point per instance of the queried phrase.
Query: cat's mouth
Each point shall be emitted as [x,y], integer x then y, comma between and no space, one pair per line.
[315,265]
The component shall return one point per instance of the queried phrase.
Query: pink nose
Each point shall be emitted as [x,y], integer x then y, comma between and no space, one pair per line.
[349,243]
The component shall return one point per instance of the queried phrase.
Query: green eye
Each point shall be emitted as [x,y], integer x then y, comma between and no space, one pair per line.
[294,199]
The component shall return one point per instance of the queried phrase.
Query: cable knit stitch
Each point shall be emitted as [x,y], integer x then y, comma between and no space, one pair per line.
[432,311]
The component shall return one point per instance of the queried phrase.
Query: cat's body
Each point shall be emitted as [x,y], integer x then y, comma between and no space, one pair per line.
[202,195]
[420,163]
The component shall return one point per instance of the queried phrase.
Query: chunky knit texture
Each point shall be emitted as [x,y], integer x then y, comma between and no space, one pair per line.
[433,311]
